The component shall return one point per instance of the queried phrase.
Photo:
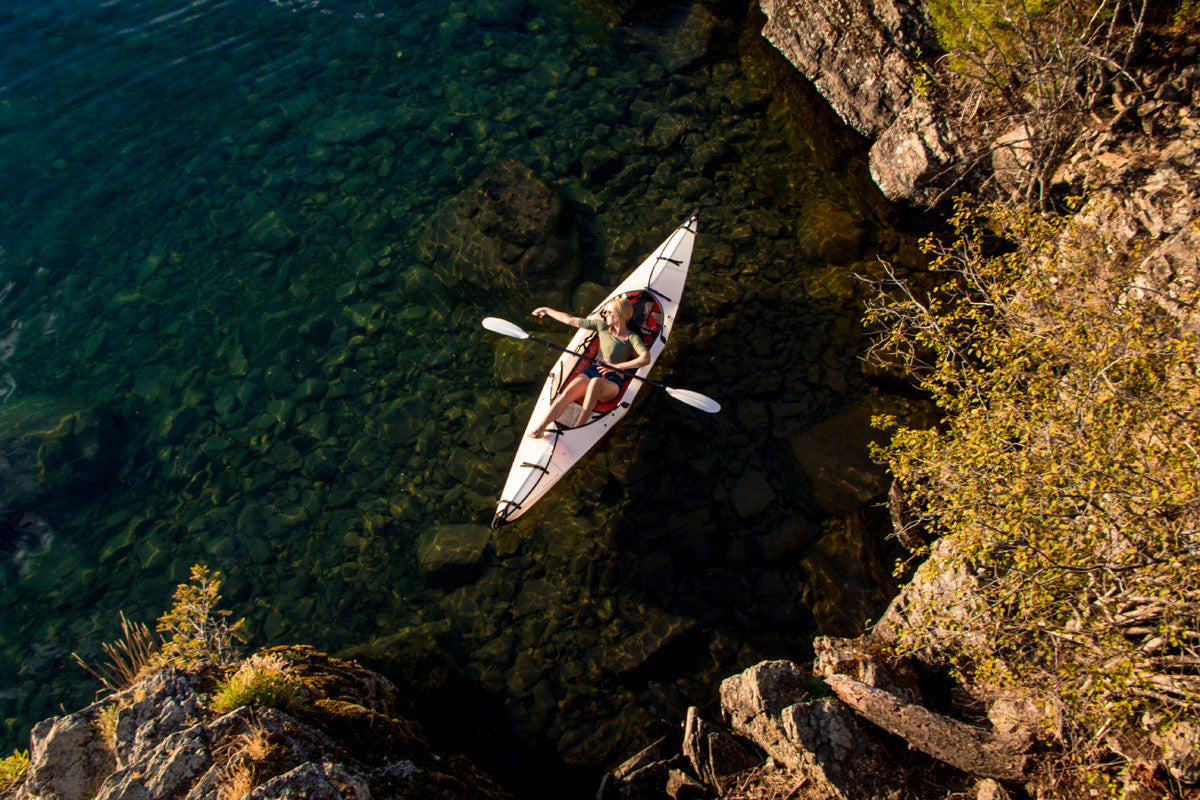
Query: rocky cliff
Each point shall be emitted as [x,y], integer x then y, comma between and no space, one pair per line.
[284,723]
[857,725]
[865,58]
[853,724]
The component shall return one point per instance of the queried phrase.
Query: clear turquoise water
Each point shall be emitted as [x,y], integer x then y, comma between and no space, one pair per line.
[200,258]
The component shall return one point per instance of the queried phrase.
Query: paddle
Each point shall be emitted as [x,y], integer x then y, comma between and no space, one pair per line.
[693,399]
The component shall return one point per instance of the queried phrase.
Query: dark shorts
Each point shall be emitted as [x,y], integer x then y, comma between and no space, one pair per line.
[592,371]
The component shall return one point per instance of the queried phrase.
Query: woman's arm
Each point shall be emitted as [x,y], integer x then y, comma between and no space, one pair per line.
[566,319]
[642,360]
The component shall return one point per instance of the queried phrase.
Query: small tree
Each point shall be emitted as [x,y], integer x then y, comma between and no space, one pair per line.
[193,629]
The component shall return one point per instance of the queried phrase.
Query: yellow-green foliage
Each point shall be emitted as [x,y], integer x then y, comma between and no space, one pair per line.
[13,770]
[977,26]
[968,29]
[263,680]
[193,629]
[191,633]
[1032,56]
[1066,470]
[1187,15]
[106,724]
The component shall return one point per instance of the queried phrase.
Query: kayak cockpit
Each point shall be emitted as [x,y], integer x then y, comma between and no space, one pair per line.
[646,322]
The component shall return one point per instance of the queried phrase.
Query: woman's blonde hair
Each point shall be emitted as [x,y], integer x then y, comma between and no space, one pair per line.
[622,307]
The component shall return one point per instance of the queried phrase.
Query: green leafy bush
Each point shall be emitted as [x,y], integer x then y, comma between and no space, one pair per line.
[1065,470]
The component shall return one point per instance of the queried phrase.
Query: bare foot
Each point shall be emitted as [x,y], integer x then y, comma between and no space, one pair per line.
[537,433]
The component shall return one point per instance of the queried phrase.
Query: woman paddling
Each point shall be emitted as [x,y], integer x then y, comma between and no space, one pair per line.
[620,349]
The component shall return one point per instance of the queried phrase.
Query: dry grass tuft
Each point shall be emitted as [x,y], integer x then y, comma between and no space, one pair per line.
[128,656]
[239,782]
[250,763]
[255,744]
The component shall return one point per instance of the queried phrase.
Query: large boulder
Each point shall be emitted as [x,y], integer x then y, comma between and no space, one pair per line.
[67,759]
[716,757]
[917,159]
[944,583]
[864,57]
[508,233]
[859,54]
[343,742]
[821,740]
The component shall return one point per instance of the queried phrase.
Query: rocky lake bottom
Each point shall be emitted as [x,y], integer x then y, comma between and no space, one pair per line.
[225,333]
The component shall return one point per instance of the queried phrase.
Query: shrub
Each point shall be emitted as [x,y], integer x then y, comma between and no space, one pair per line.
[262,680]
[1024,77]
[13,770]
[195,633]
[1065,469]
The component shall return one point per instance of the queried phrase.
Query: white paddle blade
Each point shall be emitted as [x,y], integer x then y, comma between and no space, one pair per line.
[695,399]
[504,327]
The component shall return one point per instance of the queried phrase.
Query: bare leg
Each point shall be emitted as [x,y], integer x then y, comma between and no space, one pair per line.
[598,391]
[575,391]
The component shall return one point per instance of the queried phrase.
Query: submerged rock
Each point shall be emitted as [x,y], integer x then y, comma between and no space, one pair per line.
[849,574]
[452,549]
[835,455]
[660,635]
[828,232]
[50,446]
[509,232]
[350,127]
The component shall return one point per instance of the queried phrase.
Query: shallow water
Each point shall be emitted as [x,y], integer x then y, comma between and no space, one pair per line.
[210,222]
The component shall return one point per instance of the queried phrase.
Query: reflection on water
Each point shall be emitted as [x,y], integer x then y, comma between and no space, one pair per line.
[211,234]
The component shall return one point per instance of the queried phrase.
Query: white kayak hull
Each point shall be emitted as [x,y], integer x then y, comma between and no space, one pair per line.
[540,463]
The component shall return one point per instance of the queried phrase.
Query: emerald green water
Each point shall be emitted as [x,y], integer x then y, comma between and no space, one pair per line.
[209,236]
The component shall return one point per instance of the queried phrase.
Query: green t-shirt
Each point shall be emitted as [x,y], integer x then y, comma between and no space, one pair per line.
[612,349]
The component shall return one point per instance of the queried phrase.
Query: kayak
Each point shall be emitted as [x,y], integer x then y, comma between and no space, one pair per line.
[654,289]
